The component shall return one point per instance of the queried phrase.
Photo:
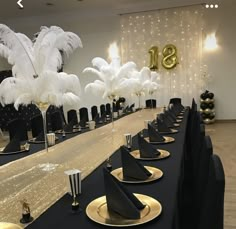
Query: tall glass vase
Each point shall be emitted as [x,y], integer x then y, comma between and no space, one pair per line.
[43,109]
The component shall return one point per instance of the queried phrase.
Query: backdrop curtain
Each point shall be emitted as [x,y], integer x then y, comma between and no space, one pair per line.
[182,27]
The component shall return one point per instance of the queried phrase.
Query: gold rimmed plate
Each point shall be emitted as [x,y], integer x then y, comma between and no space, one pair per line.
[178,120]
[5,225]
[163,154]
[34,141]
[156,174]
[23,148]
[167,140]
[180,117]
[176,124]
[75,130]
[172,131]
[97,211]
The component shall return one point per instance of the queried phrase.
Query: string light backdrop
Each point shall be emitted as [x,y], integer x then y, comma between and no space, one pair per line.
[181,27]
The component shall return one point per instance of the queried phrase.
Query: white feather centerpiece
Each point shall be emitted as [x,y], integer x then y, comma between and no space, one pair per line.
[144,81]
[113,79]
[35,68]
[35,65]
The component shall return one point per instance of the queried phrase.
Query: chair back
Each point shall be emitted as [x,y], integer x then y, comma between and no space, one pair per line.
[56,120]
[175,101]
[36,125]
[94,112]
[151,103]
[108,109]
[102,110]
[212,211]
[18,127]
[83,114]
[72,116]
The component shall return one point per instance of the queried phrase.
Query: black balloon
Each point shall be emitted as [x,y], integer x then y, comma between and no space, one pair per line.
[203,106]
[210,95]
[211,105]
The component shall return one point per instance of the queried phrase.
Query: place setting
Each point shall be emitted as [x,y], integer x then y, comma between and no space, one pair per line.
[15,147]
[133,171]
[154,137]
[121,208]
[147,152]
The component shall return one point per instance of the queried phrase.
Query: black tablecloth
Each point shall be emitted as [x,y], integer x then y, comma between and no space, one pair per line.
[167,191]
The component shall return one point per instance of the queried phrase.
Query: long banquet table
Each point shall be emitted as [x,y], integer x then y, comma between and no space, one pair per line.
[46,191]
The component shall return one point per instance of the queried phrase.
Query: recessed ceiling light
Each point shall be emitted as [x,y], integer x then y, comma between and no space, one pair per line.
[207,6]
[211,6]
[216,6]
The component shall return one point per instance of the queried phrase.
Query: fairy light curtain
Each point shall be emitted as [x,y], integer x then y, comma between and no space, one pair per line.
[181,27]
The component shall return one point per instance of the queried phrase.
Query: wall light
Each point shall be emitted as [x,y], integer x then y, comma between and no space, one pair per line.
[211,42]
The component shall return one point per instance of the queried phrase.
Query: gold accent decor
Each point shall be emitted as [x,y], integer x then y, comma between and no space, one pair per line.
[167,140]
[156,174]
[97,211]
[163,154]
[4,225]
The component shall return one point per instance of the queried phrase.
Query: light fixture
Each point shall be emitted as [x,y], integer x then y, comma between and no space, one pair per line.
[211,6]
[207,6]
[210,42]
[216,6]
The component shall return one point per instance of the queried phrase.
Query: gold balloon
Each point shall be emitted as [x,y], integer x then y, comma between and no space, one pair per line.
[170,59]
[153,58]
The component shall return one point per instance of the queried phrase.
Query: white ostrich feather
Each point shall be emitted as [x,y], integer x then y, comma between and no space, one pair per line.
[99,62]
[145,81]
[114,78]
[35,67]
[20,48]
[49,44]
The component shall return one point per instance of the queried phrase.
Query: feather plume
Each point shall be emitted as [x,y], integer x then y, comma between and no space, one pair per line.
[42,60]
[20,48]
[114,78]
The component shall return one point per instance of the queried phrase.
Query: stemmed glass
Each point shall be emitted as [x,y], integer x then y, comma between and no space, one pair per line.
[43,106]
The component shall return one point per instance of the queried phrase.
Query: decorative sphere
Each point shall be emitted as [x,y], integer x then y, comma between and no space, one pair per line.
[203,106]
[210,95]
[211,105]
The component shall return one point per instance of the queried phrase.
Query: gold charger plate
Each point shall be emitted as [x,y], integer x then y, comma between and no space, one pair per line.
[172,131]
[24,148]
[97,211]
[167,140]
[180,117]
[163,154]
[178,120]
[156,174]
[176,124]
[5,225]
[33,140]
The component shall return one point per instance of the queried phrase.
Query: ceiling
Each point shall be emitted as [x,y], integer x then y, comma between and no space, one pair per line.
[9,9]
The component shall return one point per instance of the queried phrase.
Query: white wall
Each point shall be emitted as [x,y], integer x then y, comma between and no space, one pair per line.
[222,62]
[97,33]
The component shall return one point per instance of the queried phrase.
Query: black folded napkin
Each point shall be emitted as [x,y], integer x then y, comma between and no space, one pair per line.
[170,115]
[154,136]
[119,199]
[146,150]
[166,120]
[13,145]
[132,169]
[40,137]
[162,127]
[69,127]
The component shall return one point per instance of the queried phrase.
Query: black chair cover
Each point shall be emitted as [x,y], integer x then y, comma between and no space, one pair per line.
[72,117]
[151,103]
[17,127]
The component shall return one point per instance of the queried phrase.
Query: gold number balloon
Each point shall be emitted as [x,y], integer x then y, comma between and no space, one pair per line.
[170,59]
[153,58]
